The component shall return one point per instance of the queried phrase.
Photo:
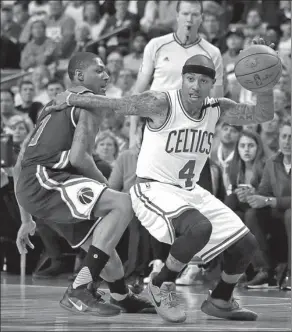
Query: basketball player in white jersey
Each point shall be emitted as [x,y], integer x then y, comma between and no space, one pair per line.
[165,56]
[167,200]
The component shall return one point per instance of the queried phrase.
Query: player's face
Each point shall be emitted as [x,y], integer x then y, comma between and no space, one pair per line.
[95,77]
[247,149]
[189,17]
[285,140]
[196,87]
[228,135]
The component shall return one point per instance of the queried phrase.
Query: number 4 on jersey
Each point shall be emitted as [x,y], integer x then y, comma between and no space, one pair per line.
[187,173]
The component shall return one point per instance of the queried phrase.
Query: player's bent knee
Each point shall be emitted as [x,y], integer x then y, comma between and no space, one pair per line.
[247,245]
[124,205]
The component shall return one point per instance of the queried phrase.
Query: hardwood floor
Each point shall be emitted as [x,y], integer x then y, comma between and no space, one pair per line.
[34,306]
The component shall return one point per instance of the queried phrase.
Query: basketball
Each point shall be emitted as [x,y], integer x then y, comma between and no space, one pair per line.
[258,68]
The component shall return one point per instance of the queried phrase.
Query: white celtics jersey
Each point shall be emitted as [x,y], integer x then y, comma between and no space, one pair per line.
[176,152]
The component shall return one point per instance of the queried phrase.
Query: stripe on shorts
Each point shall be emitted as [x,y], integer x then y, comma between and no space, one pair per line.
[215,251]
[155,209]
[51,184]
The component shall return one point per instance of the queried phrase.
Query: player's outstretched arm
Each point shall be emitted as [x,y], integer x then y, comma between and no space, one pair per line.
[147,104]
[242,114]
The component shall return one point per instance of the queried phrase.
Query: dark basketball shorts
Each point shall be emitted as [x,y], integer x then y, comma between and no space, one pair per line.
[63,201]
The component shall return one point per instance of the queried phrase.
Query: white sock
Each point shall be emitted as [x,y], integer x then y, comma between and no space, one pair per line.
[119,297]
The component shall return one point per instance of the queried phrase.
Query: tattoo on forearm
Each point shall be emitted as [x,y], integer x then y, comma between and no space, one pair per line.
[242,112]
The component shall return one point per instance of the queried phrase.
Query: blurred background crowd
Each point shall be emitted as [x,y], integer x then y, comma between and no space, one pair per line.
[246,166]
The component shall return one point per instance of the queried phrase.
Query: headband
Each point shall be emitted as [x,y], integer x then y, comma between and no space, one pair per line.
[199,70]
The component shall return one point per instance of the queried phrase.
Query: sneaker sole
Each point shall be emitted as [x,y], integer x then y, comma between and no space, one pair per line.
[210,309]
[92,313]
[265,286]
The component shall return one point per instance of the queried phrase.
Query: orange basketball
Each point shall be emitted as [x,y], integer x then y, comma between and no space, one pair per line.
[258,68]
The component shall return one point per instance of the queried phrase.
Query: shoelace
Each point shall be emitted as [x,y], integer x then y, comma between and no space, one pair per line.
[170,299]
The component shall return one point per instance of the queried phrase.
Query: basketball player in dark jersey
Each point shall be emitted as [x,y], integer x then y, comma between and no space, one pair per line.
[57,180]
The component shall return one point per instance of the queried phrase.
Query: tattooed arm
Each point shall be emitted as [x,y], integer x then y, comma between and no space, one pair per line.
[150,104]
[81,150]
[242,114]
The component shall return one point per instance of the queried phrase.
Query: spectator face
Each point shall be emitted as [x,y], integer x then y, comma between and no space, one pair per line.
[38,30]
[228,135]
[82,33]
[95,77]
[285,140]
[139,44]
[126,127]
[234,42]
[189,17]
[196,87]
[6,17]
[247,149]
[7,103]
[272,37]
[54,89]
[121,7]
[114,63]
[19,14]
[19,132]
[40,77]
[91,12]
[211,24]
[271,126]
[27,93]
[125,80]
[56,8]
[286,29]
[253,19]
[279,100]
[106,148]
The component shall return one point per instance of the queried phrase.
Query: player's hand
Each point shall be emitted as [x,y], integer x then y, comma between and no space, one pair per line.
[261,41]
[256,201]
[60,102]
[23,240]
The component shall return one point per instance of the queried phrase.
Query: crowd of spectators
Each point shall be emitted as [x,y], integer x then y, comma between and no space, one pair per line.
[249,168]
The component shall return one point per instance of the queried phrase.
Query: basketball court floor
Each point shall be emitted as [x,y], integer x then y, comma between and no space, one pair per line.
[28,305]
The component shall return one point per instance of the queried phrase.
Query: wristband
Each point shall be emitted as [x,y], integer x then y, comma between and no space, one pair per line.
[67,99]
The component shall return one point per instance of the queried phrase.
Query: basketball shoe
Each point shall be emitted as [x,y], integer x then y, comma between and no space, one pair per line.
[166,302]
[134,304]
[230,310]
[86,300]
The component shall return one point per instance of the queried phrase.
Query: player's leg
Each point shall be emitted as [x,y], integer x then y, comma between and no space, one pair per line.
[231,236]
[169,218]
[120,295]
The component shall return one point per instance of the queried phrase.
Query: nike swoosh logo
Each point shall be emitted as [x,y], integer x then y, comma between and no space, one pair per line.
[78,307]
[157,303]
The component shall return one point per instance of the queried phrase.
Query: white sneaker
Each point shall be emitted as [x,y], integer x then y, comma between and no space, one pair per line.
[188,277]
[165,301]
[157,266]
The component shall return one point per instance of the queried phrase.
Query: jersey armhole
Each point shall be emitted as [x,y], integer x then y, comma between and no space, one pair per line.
[73,116]
[168,115]
[217,105]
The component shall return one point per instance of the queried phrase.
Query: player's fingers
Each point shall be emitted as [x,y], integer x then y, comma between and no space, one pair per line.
[272,46]
[21,246]
[27,241]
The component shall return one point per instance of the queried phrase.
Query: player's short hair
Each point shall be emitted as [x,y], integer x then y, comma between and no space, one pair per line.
[80,61]
[190,1]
